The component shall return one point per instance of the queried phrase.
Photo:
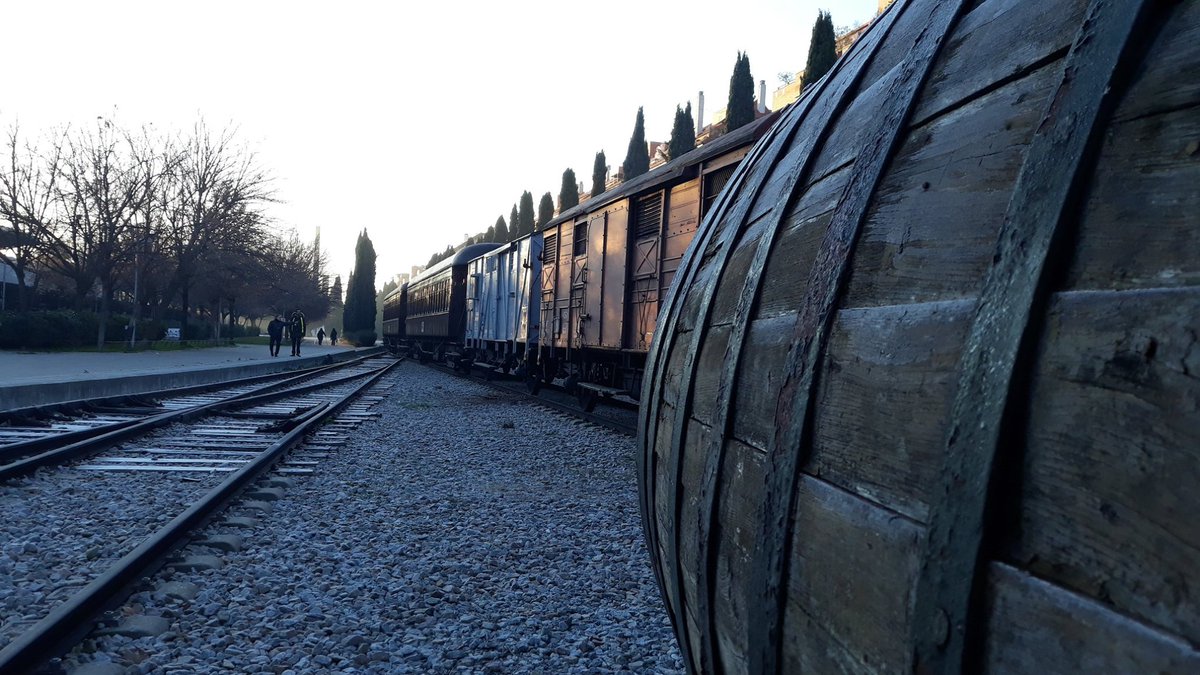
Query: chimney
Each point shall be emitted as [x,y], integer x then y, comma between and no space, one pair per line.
[762,96]
[700,114]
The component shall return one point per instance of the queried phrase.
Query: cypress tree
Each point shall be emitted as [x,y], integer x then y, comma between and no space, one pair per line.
[822,49]
[545,210]
[514,230]
[525,215]
[361,314]
[637,157]
[490,235]
[740,110]
[683,133]
[568,194]
[335,292]
[599,174]
[501,231]
[348,308]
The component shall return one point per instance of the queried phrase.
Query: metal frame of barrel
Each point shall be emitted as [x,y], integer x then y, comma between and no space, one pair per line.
[924,395]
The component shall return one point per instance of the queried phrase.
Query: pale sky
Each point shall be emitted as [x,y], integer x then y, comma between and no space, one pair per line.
[422,121]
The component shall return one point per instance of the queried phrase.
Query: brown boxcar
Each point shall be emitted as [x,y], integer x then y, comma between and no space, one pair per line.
[606,262]
[925,395]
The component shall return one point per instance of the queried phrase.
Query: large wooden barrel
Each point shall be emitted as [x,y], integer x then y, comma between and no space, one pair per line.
[926,393]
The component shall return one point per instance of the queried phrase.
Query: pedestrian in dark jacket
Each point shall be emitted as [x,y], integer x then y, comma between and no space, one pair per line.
[320,336]
[296,330]
[333,337]
[275,332]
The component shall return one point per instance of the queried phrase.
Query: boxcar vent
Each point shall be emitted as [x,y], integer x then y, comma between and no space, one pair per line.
[550,249]
[714,183]
[649,215]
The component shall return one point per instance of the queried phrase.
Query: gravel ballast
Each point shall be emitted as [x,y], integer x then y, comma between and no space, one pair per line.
[463,531]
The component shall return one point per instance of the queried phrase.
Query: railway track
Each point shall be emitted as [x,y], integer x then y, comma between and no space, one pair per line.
[34,431]
[159,483]
[619,416]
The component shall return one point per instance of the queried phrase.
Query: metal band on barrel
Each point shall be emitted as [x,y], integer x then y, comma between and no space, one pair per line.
[714,452]
[1014,290]
[789,445]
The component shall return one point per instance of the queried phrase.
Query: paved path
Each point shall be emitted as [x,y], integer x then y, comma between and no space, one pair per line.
[18,368]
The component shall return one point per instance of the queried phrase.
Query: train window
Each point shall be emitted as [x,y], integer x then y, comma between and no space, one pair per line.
[581,232]
[648,216]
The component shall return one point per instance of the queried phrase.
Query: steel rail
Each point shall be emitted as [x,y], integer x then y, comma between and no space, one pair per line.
[574,411]
[75,450]
[51,636]
[13,451]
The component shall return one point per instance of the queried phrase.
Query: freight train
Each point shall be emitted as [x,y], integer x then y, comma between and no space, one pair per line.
[576,301]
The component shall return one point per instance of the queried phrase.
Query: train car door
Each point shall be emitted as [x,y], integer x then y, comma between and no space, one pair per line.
[548,284]
[576,320]
[646,232]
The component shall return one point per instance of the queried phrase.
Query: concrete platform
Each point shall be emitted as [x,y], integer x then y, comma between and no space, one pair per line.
[42,378]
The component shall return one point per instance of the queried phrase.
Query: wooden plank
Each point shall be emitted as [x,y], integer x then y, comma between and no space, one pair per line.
[919,244]
[782,288]
[855,126]
[738,501]
[1170,79]
[888,379]
[1045,29]
[1108,496]
[1036,627]
[1147,174]
[853,568]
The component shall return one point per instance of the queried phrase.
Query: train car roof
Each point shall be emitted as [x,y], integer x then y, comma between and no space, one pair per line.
[508,245]
[461,257]
[395,291]
[674,168]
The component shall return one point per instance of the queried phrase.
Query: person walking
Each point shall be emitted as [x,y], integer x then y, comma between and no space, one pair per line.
[296,330]
[333,336]
[275,333]
[320,336]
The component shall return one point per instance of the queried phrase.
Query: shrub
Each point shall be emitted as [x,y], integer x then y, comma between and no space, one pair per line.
[361,338]
[40,330]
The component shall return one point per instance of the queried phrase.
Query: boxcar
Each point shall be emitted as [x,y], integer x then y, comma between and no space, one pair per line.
[395,306]
[502,288]
[606,262]
[435,312]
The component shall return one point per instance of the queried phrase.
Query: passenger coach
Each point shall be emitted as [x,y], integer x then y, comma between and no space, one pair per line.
[427,315]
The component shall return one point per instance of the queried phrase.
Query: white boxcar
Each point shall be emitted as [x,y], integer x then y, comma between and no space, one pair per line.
[502,286]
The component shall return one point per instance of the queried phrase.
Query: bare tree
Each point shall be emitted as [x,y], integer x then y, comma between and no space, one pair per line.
[27,201]
[207,202]
[107,178]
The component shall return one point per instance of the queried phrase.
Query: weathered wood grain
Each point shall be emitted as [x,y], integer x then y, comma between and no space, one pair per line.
[739,497]
[1170,78]
[1109,501]
[932,228]
[852,566]
[1139,223]
[887,383]
[1036,627]
[1044,29]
